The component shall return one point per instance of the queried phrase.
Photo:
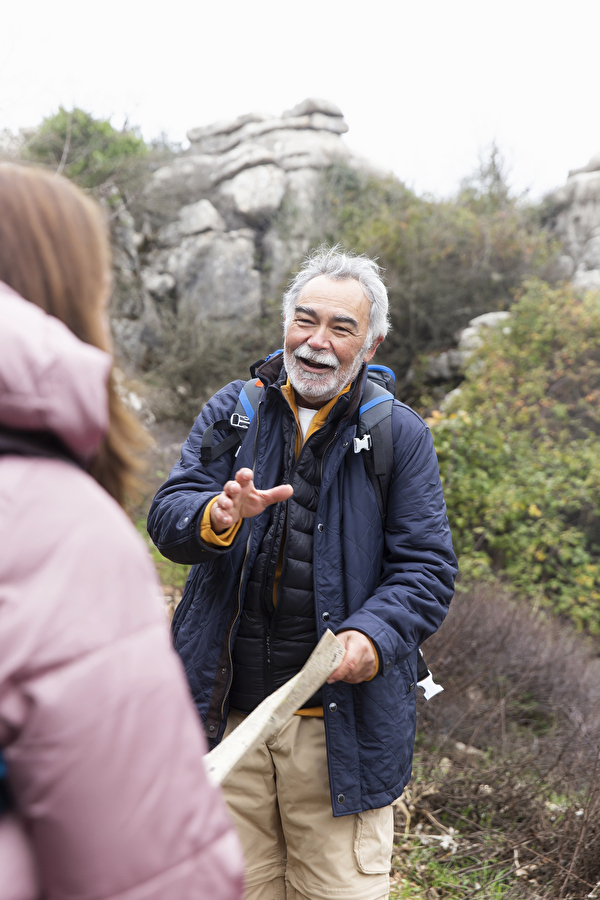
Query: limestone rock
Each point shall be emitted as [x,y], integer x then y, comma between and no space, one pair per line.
[587,279]
[199,217]
[226,127]
[312,105]
[215,276]
[577,224]
[471,337]
[159,284]
[224,225]
[192,219]
[592,166]
[304,149]
[223,141]
[256,193]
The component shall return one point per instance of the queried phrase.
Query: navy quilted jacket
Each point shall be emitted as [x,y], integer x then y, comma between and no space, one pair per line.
[394,586]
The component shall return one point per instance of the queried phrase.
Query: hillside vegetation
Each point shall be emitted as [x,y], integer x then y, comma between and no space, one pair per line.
[519,453]
[446,261]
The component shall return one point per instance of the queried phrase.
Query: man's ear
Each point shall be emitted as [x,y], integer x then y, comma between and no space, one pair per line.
[371,351]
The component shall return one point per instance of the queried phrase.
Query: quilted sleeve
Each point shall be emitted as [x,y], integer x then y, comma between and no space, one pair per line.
[419,566]
[176,511]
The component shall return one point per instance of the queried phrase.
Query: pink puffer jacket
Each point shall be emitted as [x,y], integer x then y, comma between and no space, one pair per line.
[103,746]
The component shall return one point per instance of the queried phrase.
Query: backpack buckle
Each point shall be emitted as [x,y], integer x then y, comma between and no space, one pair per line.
[239,421]
[363,443]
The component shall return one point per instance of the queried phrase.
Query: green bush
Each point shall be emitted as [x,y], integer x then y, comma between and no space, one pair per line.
[519,453]
[87,150]
[446,261]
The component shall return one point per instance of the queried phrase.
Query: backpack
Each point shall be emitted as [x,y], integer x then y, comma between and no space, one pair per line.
[374,434]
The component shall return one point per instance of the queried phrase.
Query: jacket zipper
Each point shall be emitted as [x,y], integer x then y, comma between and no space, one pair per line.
[273,618]
[325,452]
[239,592]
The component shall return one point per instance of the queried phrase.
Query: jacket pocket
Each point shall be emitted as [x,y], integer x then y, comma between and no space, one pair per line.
[374,840]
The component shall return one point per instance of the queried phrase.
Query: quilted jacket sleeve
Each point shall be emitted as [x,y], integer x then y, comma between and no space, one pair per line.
[419,566]
[176,511]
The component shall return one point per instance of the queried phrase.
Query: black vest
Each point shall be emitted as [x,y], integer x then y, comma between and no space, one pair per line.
[274,642]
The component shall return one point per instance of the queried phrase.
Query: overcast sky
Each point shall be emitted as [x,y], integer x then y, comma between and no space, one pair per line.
[425,86]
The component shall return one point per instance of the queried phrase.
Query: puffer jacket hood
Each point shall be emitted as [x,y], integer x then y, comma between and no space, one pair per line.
[49,380]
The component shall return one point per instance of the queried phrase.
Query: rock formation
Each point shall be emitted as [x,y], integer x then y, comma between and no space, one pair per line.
[224,224]
[577,225]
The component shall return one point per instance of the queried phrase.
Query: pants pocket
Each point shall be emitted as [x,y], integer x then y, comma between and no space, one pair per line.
[374,841]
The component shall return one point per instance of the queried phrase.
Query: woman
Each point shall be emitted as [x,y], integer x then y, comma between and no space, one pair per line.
[102,746]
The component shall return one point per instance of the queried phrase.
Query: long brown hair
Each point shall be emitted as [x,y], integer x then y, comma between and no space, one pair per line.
[55,252]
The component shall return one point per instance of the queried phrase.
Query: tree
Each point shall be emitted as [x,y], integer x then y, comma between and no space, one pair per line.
[87,150]
[446,261]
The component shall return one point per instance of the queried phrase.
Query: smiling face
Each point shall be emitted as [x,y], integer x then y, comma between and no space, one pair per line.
[326,339]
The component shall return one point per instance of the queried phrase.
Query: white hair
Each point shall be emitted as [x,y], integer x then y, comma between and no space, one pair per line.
[340,265]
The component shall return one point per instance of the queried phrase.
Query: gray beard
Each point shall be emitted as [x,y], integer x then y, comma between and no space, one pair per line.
[314,386]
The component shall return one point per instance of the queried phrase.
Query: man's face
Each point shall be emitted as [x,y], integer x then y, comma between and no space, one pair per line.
[326,339]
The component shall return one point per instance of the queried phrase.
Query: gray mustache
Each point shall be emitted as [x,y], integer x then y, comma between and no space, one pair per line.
[324,357]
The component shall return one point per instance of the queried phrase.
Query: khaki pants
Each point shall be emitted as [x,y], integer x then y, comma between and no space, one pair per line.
[294,847]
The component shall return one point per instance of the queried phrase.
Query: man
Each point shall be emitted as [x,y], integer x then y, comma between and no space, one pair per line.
[287,539]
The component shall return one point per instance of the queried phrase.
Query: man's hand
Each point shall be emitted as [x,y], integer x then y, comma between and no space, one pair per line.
[239,499]
[360,661]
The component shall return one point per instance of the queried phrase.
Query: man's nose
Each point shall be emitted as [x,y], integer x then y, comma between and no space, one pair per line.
[319,339]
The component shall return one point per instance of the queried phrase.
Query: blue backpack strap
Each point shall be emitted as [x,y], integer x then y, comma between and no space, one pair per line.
[246,406]
[384,376]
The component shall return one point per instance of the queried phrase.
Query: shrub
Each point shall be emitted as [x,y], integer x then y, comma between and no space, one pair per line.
[87,150]
[446,261]
[519,453]
[505,796]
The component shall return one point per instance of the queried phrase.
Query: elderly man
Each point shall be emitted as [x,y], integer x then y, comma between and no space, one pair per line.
[287,538]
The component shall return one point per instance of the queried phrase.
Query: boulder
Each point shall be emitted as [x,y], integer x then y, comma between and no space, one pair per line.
[577,225]
[199,217]
[226,127]
[471,337]
[304,149]
[312,105]
[244,156]
[256,193]
[159,284]
[215,276]
[222,141]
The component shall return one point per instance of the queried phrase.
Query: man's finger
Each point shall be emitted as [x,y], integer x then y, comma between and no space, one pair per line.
[277,494]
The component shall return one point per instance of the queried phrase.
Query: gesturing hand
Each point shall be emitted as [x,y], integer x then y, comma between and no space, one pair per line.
[239,499]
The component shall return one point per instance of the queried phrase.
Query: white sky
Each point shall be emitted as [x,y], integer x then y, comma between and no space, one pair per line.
[425,85]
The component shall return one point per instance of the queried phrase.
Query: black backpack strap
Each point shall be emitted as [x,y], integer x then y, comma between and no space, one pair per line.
[5,795]
[246,406]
